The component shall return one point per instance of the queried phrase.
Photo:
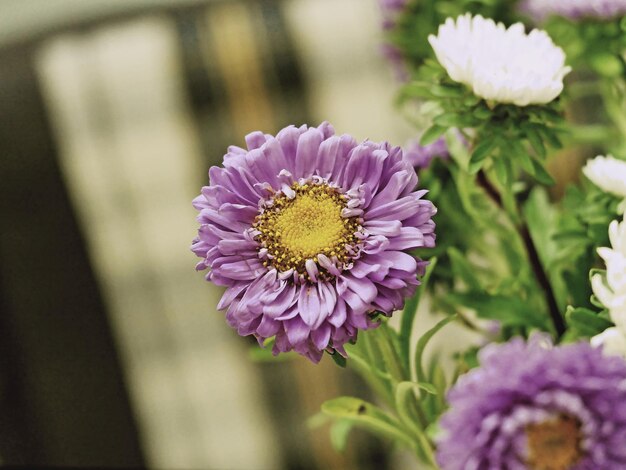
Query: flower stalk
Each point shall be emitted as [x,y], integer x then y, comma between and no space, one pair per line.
[533,257]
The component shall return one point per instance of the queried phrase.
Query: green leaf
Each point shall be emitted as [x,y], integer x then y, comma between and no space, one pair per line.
[423,342]
[427,387]
[361,360]
[541,174]
[483,113]
[510,310]
[417,89]
[391,358]
[549,135]
[339,432]
[431,134]
[503,171]
[463,270]
[470,100]
[409,312]
[408,406]
[368,416]
[526,162]
[338,359]
[536,142]
[412,415]
[449,120]
[480,153]
[587,323]
[447,91]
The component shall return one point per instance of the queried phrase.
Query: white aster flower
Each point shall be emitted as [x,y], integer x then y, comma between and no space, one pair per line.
[610,289]
[499,64]
[608,173]
[612,341]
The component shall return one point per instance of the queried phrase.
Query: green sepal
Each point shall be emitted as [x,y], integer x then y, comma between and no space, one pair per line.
[338,359]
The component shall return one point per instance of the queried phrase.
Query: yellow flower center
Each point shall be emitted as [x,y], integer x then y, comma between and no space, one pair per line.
[554,445]
[295,230]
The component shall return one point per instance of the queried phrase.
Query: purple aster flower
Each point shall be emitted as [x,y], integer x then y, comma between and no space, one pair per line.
[421,156]
[574,9]
[534,406]
[309,233]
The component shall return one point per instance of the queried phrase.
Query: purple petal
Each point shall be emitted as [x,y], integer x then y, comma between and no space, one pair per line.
[309,305]
[297,331]
[321,337]
[306,155]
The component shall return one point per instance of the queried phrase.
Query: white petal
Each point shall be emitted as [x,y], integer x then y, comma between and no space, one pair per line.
[612,341]
[610,288]
[601,291]
[609,174]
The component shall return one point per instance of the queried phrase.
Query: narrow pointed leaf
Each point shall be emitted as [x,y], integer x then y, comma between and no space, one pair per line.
[409,313]
[423,342]
[368,416]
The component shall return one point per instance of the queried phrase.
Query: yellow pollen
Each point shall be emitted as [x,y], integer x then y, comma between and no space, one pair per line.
[554,445]
[296,230]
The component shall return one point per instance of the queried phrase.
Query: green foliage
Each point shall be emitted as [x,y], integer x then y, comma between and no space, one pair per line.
[508,310]
[584,323]
[497,227]
[415,395]
[408,315]
[421,346]
[508,138]
[590,44]
[577,226]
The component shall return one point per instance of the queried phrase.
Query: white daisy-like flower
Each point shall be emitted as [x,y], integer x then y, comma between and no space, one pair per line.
[612,341]
[610,289]
[500,64]
[608,173]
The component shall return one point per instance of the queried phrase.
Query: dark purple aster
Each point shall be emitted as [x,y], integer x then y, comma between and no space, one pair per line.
[535,406]
[420,156]
[574,9]
[309,233]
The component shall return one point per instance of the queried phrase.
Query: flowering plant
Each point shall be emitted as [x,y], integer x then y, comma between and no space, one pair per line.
[327,246]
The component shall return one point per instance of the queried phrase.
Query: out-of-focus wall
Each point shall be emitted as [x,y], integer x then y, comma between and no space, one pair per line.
[350,84]
[141,97]
[131,159]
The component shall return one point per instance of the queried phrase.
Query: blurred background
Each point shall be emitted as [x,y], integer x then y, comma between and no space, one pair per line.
[111,112]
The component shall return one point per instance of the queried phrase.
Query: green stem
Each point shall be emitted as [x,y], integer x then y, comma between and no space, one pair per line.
[533,258]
